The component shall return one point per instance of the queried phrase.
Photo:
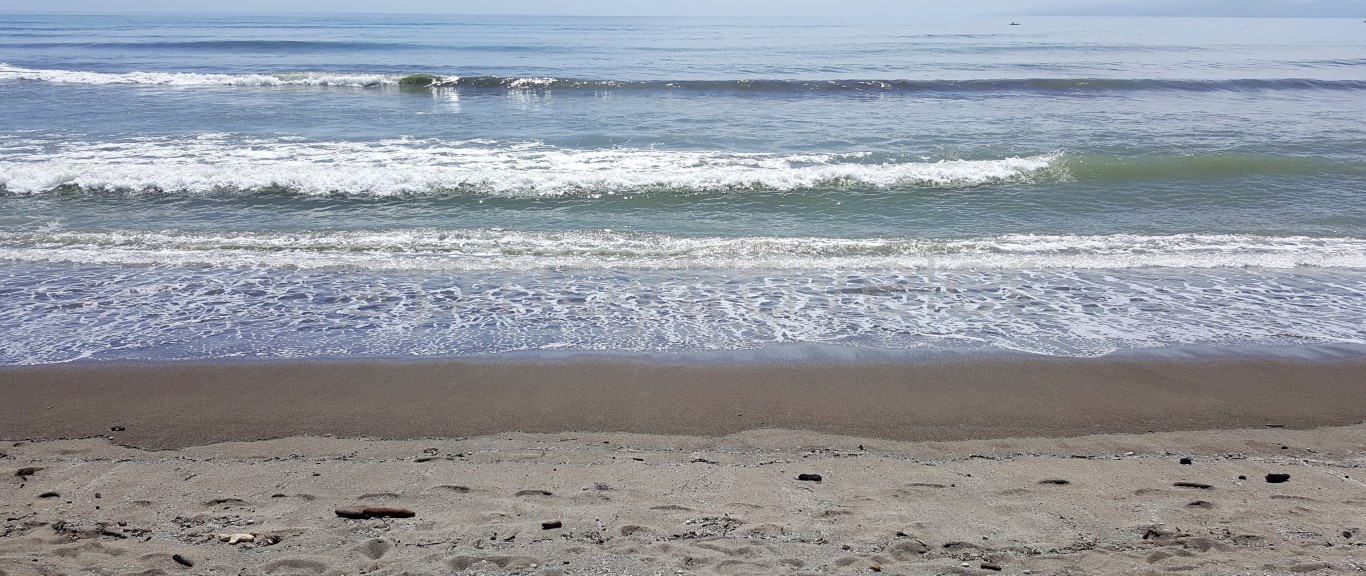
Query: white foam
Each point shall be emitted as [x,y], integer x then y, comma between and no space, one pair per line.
[510,250]
[57,313]
[408,166]
[187,79]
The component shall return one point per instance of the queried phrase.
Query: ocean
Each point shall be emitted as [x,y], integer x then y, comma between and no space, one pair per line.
[209,187]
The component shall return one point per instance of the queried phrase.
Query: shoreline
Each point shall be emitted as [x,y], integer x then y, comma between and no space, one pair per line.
[174,405]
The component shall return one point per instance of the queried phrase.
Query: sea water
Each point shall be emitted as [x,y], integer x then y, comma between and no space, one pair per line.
[179,187]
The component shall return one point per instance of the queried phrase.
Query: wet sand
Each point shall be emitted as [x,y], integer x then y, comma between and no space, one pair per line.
[177,405]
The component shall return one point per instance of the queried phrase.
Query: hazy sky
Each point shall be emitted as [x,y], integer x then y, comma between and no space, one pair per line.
[851,9]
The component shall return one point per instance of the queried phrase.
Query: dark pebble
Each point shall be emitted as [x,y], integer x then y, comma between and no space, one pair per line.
[1277,478]
[551,525]
[809,477]
[97,495]
[54,494]
[1058,482]
[1346,533]
[117,428]
[1241,477]
[183,561]
[992,567]
[1186,461]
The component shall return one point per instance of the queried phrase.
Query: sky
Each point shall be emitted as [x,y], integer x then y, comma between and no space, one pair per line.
[851,9]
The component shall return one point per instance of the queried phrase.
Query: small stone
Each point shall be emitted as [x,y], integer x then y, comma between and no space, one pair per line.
[1196,485]
[28,471]
[876,567]
[317,473]
[1056,481]
[1277,478]
[183,561]
[990,566]
[49,495]
[97,495]
[117,428]
[1186,461]
[551,525]
[1346,533]
[809,477]
[386,512]
[1241,477]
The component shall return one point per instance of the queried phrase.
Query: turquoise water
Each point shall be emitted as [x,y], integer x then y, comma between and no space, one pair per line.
[190,187]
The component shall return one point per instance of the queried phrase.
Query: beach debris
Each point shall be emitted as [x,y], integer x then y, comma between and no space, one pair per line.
[49,495]
[1275,425]
[876,567]
[235,539]
[1277,478]
[117,428]
[534,493]
[387,512]
[355,513]
[1056,481]
[183,561]
[1186,461]
[992,567]
[809,477]
[1192,485]
[27,471]
[551,524]
[352,513]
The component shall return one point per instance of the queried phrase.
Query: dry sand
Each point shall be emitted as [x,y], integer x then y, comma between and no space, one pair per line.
[937,480]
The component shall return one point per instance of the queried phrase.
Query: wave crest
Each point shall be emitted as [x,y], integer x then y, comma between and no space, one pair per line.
[216,164]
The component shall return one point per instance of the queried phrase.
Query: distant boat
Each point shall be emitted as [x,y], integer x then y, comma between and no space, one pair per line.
[1014,23]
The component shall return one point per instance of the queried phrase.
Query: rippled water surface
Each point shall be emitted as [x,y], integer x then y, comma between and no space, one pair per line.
[189,187]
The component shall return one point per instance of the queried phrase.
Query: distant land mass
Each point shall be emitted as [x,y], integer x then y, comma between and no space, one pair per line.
[1245,8]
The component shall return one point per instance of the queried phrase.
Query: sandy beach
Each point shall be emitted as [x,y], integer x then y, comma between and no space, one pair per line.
[1041,466]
